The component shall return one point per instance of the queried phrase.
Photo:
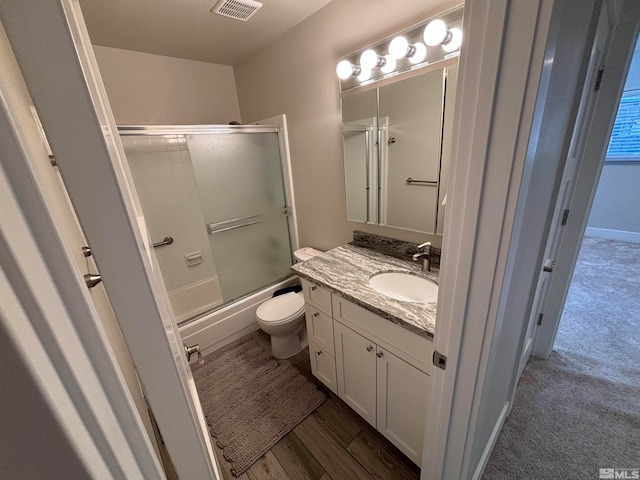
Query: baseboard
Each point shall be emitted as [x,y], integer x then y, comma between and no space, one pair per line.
[620,235]
[492,442]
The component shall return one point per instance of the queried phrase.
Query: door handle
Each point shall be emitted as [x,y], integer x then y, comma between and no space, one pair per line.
[92,279]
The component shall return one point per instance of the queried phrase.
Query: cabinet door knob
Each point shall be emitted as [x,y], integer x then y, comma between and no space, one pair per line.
[369,348]
[313,289]
[316,314]
[319,352]
[379,354]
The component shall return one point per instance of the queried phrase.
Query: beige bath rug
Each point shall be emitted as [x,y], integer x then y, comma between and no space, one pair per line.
[251,401]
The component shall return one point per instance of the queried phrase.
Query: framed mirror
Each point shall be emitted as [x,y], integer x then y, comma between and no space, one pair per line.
[396,141]
[360,139]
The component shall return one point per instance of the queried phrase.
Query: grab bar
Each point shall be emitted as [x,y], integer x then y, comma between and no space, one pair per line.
[165,241]
[240,222]
[233,223]
[410,181]
[226,229]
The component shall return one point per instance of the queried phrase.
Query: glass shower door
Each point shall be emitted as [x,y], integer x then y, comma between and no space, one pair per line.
[239,181]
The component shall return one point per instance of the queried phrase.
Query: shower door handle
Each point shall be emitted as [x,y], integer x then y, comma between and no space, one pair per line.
[227,225]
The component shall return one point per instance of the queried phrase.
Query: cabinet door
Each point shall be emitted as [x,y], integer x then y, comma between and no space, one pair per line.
[356,369]
[402,403]
[319,328]
[323,366]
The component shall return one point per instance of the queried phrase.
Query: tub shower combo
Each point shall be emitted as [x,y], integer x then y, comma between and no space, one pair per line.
[218,204]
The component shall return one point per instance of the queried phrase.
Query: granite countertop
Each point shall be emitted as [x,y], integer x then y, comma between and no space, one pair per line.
[346,270]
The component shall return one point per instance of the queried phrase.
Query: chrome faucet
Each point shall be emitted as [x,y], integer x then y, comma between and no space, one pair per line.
[426,260]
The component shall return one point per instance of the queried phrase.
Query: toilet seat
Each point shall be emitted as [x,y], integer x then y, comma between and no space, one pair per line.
[281,309]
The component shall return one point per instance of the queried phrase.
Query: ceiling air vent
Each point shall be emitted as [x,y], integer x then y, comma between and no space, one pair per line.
[236,9]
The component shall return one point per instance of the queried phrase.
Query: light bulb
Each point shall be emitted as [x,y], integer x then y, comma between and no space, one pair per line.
[369,59]
[389,65]
[364,75]
[398,47]
[344,69]
[454,43]
[435,33]
[419,54]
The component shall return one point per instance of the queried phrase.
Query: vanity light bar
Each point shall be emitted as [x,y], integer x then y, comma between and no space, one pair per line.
[422,45]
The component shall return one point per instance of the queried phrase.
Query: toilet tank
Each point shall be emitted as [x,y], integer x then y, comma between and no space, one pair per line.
[305,253]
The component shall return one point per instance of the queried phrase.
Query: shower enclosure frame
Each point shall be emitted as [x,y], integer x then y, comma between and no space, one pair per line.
[243,308]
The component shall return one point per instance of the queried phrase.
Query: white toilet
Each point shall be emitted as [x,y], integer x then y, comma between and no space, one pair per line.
[282,317]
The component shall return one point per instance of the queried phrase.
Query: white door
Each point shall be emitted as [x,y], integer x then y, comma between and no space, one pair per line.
[356,370]
[562,208]
[52,46]
[402,408]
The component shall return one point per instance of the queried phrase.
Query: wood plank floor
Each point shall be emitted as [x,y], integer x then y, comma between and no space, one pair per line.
[333,443]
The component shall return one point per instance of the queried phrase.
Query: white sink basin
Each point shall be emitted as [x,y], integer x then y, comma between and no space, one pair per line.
[405,287]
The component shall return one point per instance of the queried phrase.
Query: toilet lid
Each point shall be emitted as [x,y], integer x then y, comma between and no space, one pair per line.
[281,309]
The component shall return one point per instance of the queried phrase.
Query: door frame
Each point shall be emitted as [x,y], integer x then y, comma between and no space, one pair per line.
[476,238]
[566,172]
[588,171]
[53,50]
[48,316]
[486,283]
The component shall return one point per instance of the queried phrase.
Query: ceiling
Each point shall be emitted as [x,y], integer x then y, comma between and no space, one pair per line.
[187,28]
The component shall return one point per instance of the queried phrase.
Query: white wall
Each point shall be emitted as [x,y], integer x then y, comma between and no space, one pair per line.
[147,89]
[296,76]
[614,213]
[166,186]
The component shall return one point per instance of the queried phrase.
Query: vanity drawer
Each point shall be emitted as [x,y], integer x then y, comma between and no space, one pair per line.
[410,347]
[320,328]
[323,366]
[318,297]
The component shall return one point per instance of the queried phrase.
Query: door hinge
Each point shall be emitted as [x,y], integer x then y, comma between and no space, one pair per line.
[540,318]
[52,159]
[599,79]
[565,217]
[549,265]
[439,360]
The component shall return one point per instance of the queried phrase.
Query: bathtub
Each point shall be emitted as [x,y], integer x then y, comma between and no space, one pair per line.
[216,329]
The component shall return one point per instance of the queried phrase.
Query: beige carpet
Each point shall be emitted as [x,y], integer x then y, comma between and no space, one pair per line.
[579,411]
[251,401]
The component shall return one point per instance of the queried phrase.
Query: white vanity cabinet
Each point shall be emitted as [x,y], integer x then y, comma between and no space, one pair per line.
[374,380]
[356,371]
[378,368]
[320,333]
[401,398]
